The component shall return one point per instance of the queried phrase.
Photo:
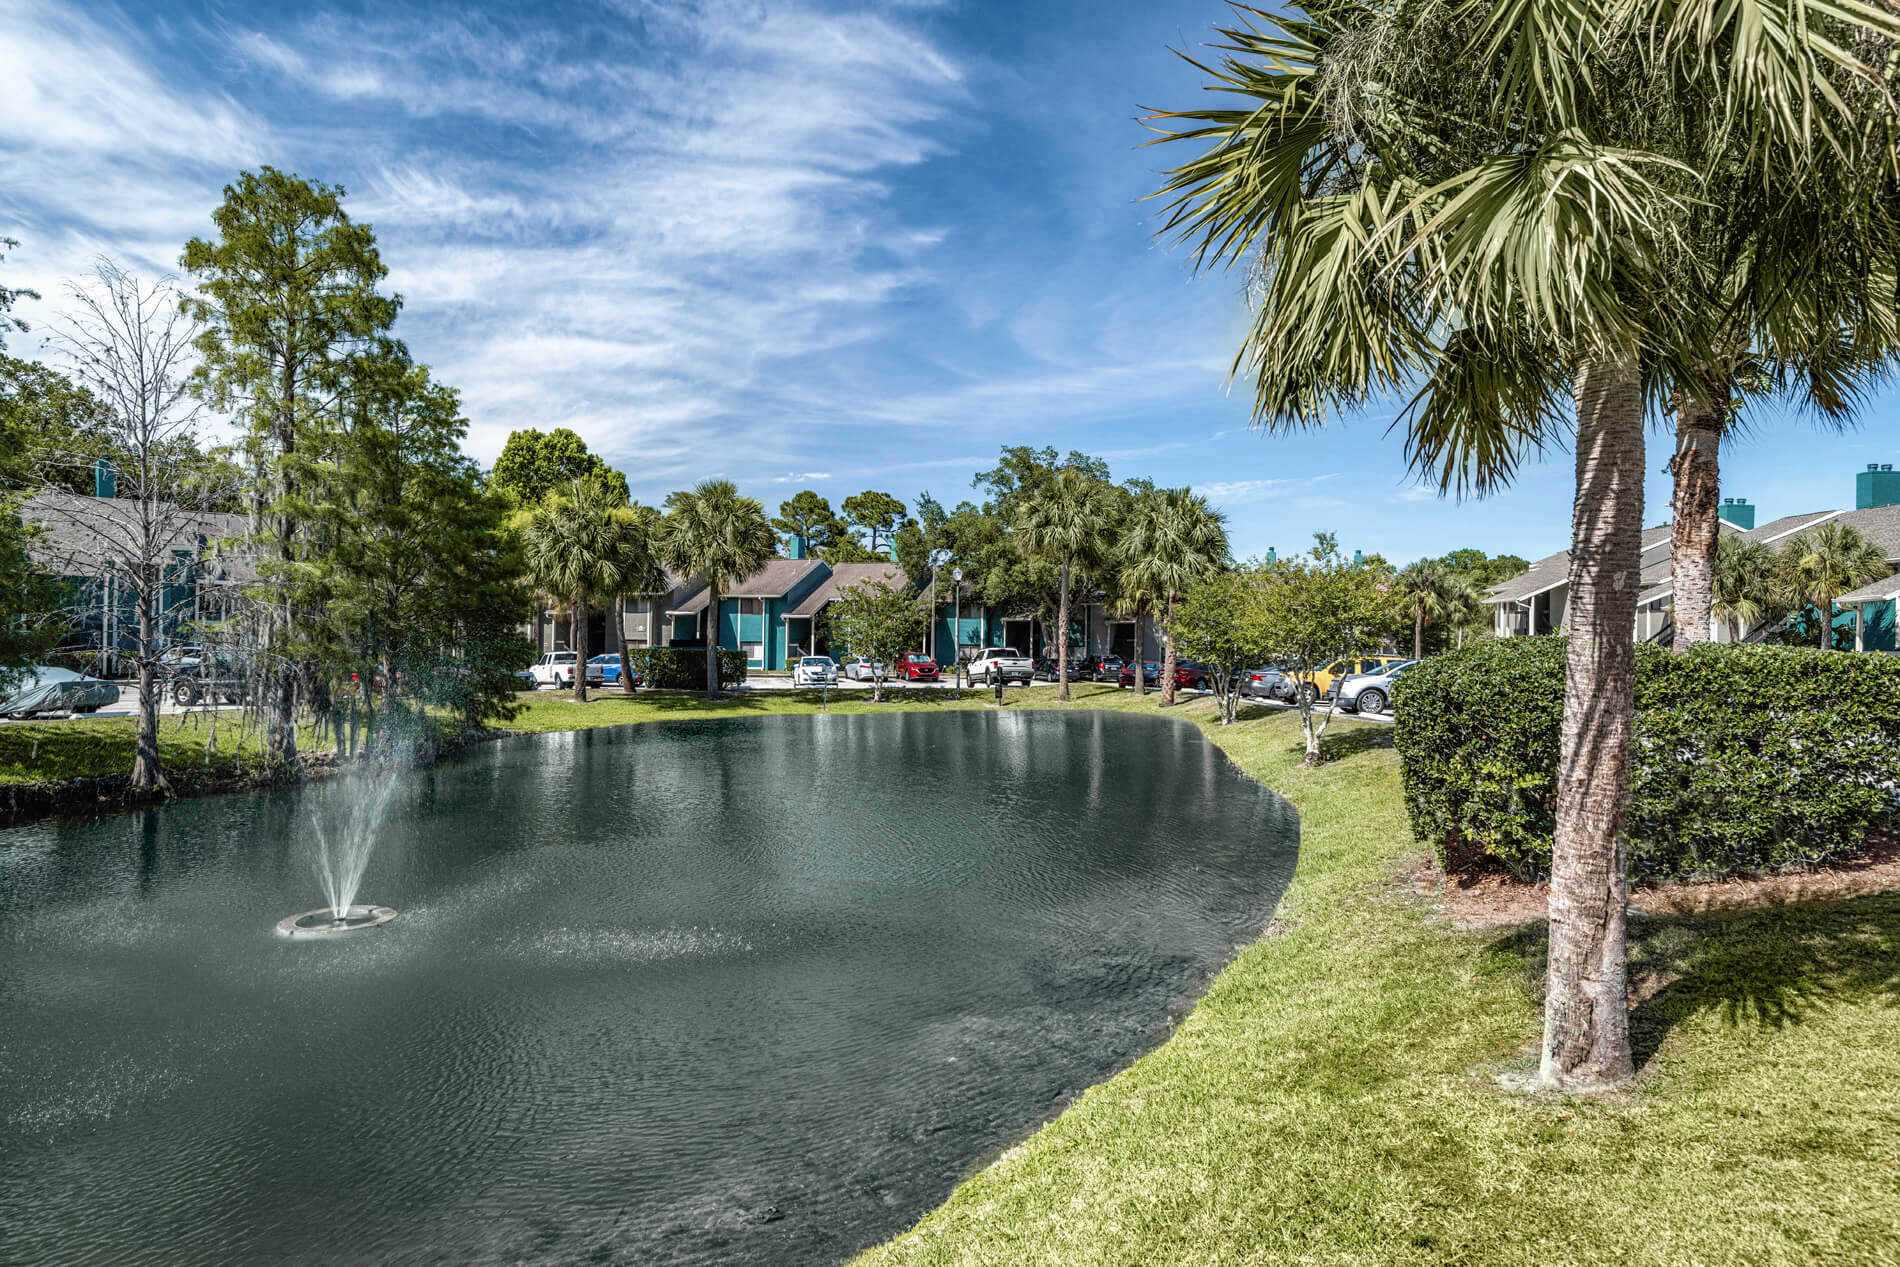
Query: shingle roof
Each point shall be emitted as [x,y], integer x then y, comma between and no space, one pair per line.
[775,580]
[843,577]
[78,534]
[1878,592]
[1547,573]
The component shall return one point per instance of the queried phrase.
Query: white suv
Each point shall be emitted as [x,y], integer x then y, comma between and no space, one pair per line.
[815,670]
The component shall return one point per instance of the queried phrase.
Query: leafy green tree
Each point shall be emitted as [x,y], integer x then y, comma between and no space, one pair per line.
[532,465]
[881,622]
[1821,565]
[713,533]
[1492,201]
[287,297]
[25,594]
[1069,522]
[417,573]
[875,514]
[808,515]
[1316,609]
[577,544]
[1483,570]
[1218,622]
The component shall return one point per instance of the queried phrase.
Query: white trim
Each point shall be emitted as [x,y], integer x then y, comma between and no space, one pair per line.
[1498,602]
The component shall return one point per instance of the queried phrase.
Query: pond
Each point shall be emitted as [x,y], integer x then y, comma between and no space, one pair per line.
[758,990]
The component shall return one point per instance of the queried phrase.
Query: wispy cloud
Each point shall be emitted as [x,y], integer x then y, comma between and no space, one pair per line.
[801,477]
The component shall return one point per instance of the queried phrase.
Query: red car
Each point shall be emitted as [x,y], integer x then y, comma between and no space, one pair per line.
[917,668]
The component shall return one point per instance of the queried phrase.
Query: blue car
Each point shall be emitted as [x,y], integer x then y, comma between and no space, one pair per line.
[609,666]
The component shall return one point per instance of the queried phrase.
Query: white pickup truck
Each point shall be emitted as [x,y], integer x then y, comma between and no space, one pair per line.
[1001,664]
[556,669]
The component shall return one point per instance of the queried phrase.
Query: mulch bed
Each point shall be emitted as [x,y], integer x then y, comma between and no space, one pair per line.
[1491,899]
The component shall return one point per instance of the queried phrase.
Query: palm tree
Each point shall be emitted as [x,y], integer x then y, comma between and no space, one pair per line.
[572,545]
[1429,594]
[714,533]
[636,569]
[1140,585]
[1069,522]
[1745,586]
[1828,562]
[1489,200]
[1191,544]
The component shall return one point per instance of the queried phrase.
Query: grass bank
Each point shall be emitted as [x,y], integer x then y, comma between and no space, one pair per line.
[101,747]
[1332,1100]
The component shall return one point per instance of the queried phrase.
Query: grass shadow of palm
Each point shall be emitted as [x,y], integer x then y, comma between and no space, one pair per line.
[1769,969]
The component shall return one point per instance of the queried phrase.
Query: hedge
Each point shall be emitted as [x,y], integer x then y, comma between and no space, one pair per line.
[683,668]
[1748,758]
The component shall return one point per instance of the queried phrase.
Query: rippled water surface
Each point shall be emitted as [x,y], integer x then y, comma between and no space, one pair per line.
[742,991]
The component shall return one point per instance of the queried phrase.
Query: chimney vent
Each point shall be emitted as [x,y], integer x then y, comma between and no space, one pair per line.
[1877,486]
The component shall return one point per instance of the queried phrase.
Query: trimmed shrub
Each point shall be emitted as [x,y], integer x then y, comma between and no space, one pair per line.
[1747,758]
[683,668]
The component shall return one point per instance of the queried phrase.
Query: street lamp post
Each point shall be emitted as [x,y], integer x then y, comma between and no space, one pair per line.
[956,630]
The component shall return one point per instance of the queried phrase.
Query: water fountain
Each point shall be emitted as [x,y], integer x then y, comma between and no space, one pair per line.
[342,853]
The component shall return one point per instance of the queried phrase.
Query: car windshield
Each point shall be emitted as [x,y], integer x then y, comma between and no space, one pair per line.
[815,662]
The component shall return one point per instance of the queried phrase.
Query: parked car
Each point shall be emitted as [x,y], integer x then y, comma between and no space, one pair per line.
[609,666]
[184,656]
[815,670]
[857,668]
[556,669]
[917,667]
[1368,692]
[1082,668]
[50,690]
[1150,673]
[215,677]
[1001,664]
[1270,682]
[1346,667]
[1108,668]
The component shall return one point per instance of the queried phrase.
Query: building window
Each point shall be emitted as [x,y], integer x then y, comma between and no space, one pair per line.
[754,653]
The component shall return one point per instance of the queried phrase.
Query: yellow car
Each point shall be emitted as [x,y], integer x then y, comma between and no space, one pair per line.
[1323,678]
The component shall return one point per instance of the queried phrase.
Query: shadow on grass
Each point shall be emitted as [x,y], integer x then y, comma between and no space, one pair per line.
[1767,969]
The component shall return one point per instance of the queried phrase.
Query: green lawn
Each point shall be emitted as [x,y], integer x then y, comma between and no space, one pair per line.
[41,751]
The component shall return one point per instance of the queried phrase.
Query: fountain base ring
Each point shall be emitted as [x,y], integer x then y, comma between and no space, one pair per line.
[323,921]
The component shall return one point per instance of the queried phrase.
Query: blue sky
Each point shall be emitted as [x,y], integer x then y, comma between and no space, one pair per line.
[799,243]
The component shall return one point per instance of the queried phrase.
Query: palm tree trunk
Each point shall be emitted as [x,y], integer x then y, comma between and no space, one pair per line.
[1826,608]
[580,648]
[711,623]
[1586,1010]
[1695,521]
[618,635]
[1141,645]
[1062,636]
[1418,634]
[1167,658]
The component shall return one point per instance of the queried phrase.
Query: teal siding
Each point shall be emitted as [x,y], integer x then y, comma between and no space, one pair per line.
[1877,626]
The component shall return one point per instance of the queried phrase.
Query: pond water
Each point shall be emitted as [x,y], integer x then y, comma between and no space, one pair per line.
[737,991]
